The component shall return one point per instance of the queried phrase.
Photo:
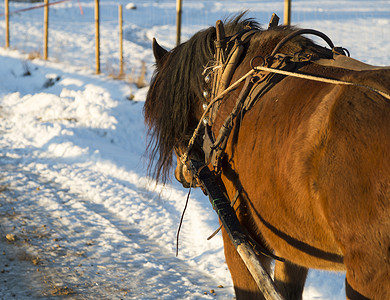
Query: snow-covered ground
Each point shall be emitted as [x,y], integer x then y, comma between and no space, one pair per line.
[78,216]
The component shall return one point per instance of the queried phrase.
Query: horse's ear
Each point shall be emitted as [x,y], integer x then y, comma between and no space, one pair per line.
[158,51]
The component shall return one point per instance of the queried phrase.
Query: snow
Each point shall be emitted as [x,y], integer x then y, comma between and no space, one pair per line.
[87,220]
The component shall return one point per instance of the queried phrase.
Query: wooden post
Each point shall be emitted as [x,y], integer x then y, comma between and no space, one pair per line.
[287,12]
[6,24]
[120,40]
[178,21]
[97,37]
[46,29]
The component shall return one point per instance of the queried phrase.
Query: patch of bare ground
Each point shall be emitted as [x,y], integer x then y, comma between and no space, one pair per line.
[25,271]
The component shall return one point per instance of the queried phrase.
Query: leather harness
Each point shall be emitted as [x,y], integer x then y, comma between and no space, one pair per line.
[260,82]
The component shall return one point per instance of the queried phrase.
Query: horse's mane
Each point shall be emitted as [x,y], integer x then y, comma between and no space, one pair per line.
[177,86]
[175,89]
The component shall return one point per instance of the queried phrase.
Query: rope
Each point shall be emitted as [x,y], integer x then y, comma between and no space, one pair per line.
[181,221]
[322,79]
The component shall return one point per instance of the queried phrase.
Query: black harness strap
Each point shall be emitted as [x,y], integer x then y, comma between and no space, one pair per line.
[352,294]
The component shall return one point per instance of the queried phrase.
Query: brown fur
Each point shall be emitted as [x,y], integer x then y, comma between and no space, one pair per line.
[314,163]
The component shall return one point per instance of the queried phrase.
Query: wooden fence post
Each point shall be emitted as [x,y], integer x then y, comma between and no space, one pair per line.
[120,40]
[97,37]
[178,21]
[287,12]
[46,29]
[6,24]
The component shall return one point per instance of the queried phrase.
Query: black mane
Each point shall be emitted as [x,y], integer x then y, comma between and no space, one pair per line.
[175,90]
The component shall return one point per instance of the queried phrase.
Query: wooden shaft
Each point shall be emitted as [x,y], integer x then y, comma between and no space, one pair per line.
[46,29]
[261,277]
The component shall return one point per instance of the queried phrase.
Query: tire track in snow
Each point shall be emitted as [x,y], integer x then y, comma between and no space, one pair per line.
[85,249]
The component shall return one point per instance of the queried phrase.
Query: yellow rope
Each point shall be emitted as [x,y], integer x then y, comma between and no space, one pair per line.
[321,79]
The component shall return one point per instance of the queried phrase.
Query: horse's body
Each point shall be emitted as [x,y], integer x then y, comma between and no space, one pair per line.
[312,158]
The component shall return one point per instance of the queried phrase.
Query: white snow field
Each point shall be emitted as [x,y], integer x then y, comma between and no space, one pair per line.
[79,218]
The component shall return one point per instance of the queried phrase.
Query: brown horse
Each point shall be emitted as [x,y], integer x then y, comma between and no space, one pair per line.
[310,159]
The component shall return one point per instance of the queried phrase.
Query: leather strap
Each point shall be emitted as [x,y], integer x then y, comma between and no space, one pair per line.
[352,294]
